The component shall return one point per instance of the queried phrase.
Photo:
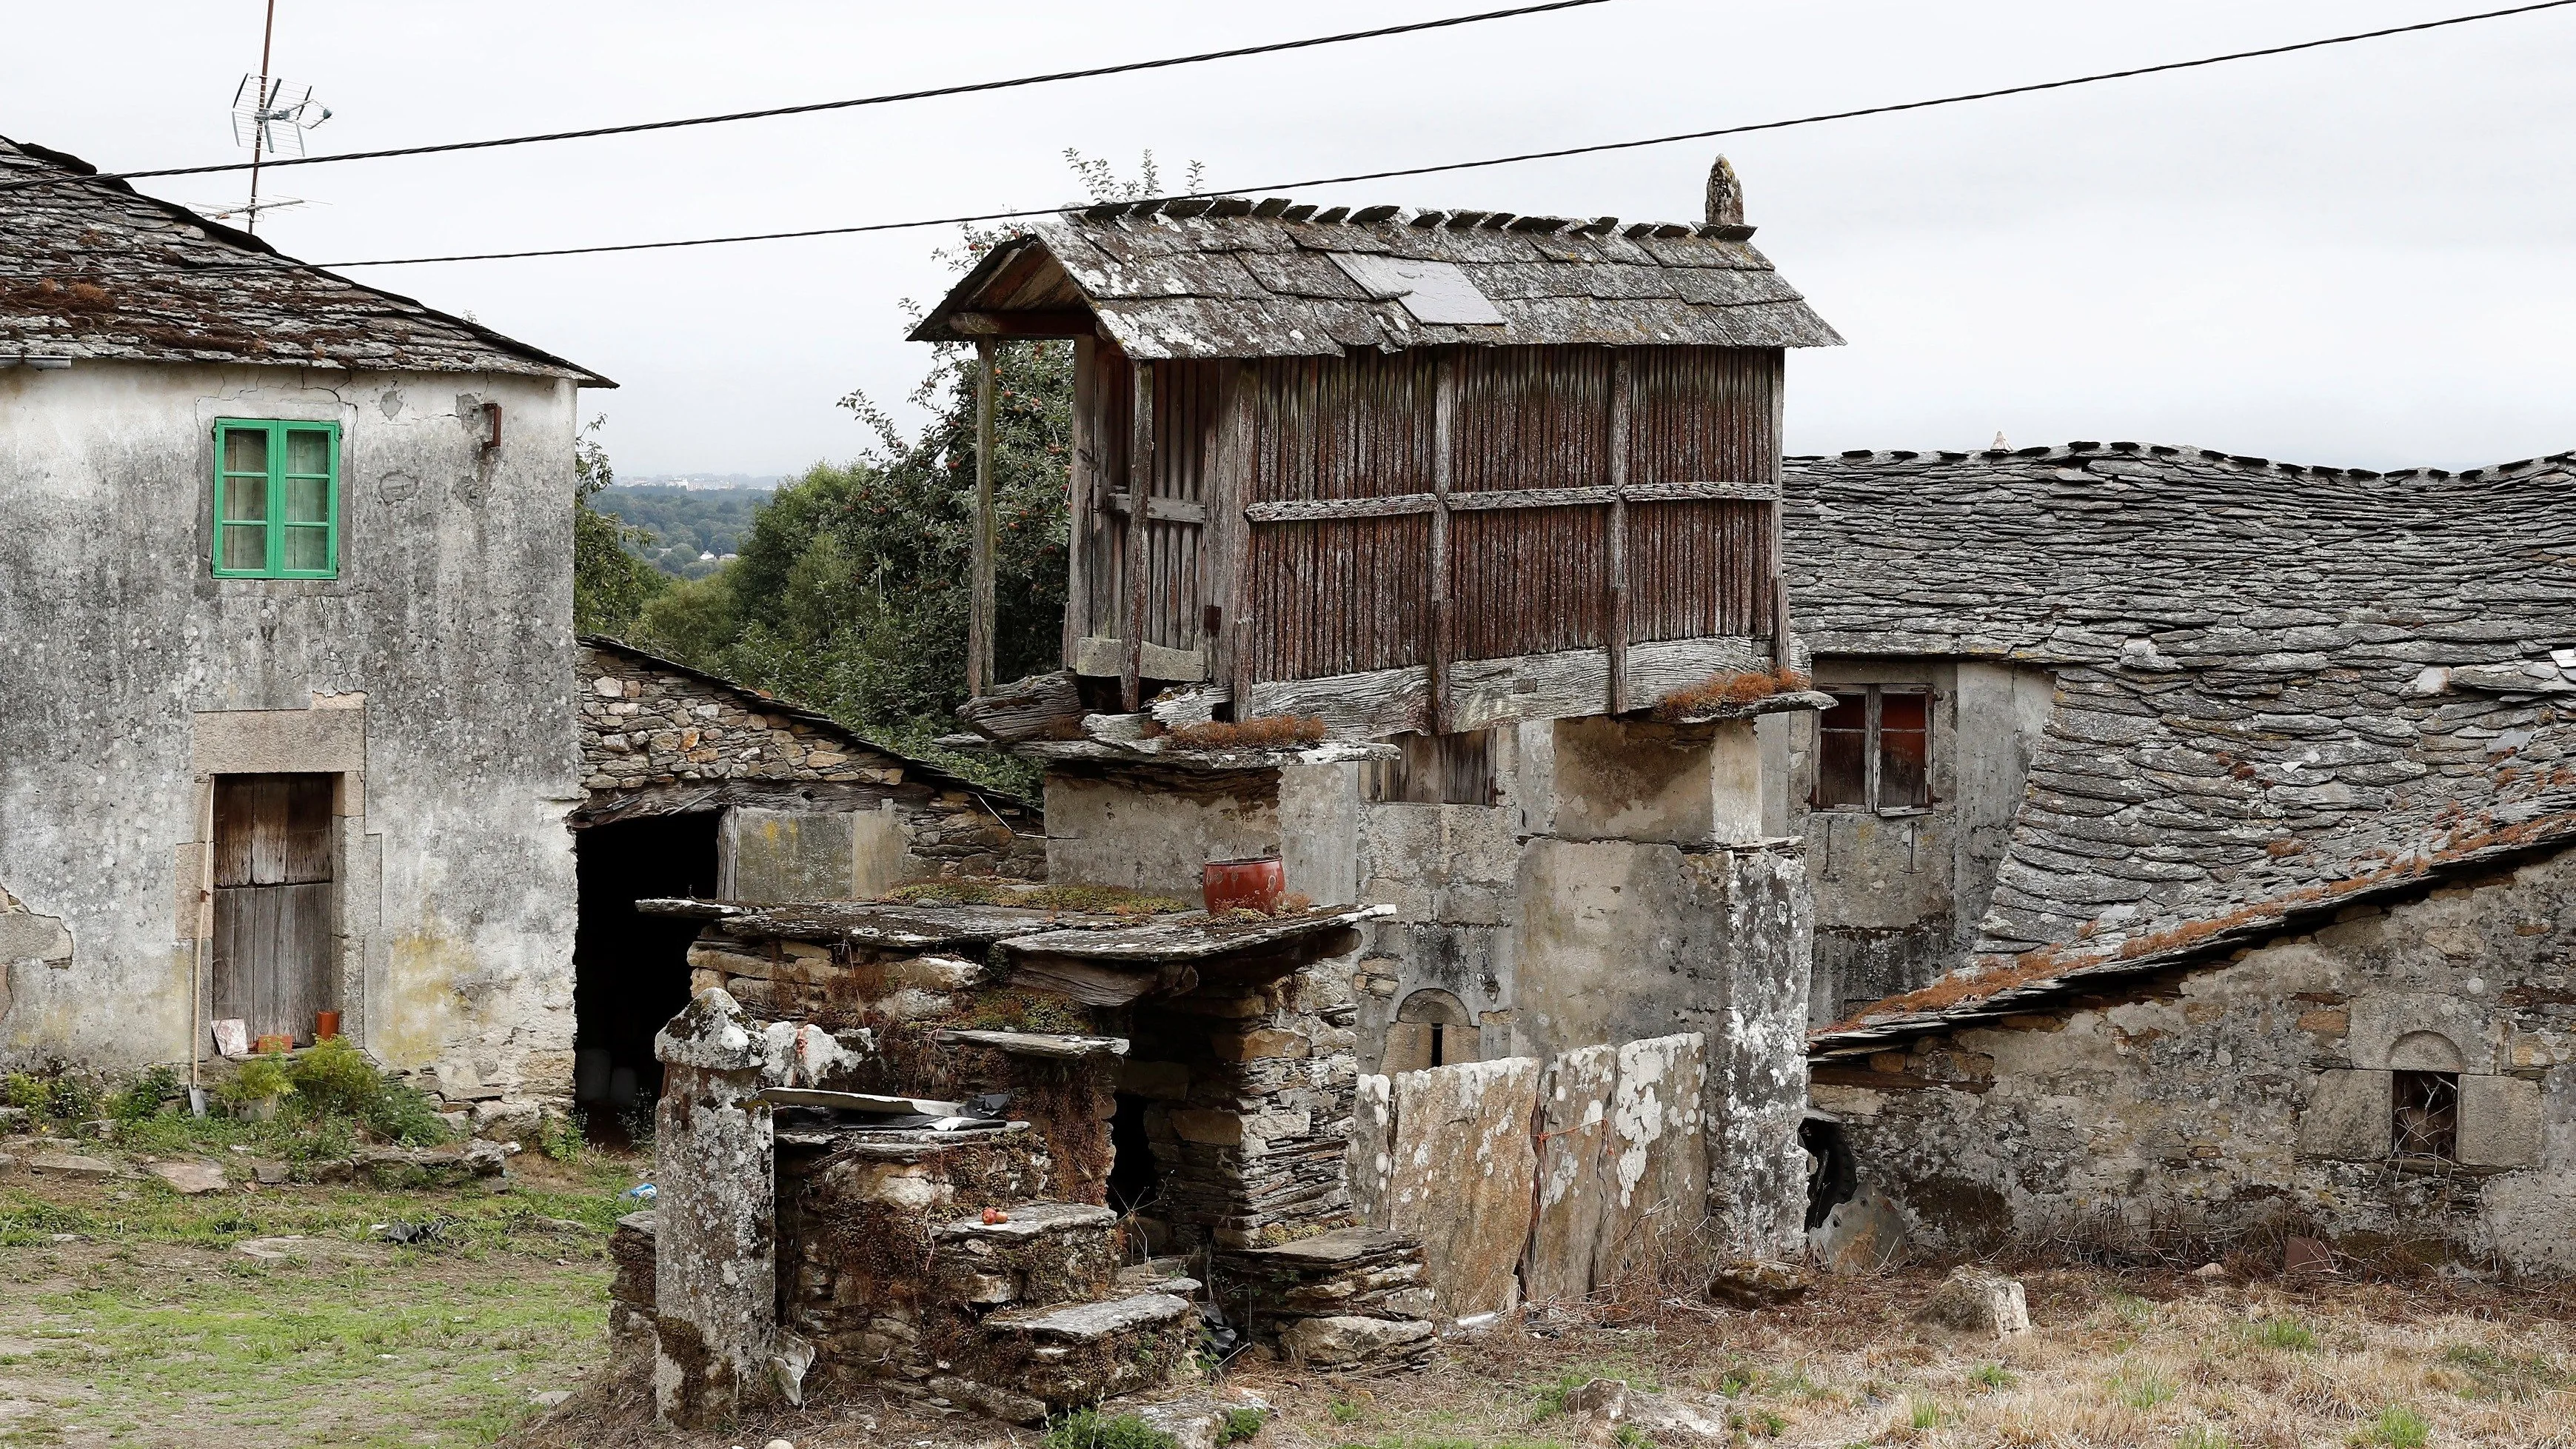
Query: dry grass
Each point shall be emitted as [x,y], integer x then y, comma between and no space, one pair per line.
[1275,732]
[1719,689]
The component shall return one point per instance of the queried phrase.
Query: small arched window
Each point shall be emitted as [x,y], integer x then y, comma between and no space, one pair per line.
[2424,1096]
[1431,1029]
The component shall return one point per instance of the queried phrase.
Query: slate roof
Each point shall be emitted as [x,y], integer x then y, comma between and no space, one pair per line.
[95,269]
[1234,278]
[2283,689]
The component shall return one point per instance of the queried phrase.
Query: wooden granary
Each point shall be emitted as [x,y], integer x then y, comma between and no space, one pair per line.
[1410,471]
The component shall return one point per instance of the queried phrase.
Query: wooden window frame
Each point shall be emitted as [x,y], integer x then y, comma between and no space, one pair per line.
[273,558]
[1872,755]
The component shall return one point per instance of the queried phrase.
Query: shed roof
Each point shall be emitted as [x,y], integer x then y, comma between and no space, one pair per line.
[95,269]
[2282,689]
[1233,278]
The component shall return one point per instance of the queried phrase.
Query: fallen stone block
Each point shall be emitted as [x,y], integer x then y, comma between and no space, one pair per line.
[270,1174]
[403,1167]
[1750,1283]
[507,1121]
[191,1178]
[1348,1342]
[1199,1421]
[71,1164]
[1977,1301]
[1607,1412]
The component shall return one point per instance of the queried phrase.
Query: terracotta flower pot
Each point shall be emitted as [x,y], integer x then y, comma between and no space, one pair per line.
[277,1041]
[326,1025]
[1253,885]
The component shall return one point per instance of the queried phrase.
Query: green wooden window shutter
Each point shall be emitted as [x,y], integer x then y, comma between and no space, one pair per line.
[277,499]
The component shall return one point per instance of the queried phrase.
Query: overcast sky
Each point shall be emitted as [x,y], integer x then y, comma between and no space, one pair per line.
[2356,256]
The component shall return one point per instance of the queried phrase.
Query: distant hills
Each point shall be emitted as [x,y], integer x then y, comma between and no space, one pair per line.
[707,482]
[692,526]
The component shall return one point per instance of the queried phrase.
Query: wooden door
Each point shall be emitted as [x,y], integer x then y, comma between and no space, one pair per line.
[273,936]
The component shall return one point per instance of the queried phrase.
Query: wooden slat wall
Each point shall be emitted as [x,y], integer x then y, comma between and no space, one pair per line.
[273,946]
[1103,534]
[1347,596]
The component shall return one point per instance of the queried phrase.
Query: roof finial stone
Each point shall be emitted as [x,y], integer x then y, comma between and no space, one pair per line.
[1725,195]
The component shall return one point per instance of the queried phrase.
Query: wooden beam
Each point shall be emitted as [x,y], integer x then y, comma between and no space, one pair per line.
[1227,544]
[1041,707]
[979,617]
[1065,322]
[1159,509]
[1084,487]
[1140,484]
[1444,437]
[1616,565]
[1333,510]
[1560,685]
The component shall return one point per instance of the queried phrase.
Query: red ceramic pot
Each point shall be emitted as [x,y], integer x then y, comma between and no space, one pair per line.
[1251,885]
[326,1025]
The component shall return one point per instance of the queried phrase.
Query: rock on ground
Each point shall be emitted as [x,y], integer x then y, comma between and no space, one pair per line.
[1605,1407]
[1343,1341]
[191,1178]
[72,1164]
[1978,1301]
[1197,1421]
[1758,1283]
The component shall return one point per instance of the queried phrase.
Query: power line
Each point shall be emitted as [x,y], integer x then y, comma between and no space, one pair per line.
[972,88]
[1595,148]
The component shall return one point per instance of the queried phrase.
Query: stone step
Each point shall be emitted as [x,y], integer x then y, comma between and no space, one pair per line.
[1080,1353]
[1042,1253]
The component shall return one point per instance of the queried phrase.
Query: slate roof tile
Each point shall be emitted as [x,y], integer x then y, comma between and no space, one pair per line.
[2242,649]
[94,269]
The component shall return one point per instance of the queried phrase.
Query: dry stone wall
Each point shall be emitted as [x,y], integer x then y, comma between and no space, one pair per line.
[2258,1091]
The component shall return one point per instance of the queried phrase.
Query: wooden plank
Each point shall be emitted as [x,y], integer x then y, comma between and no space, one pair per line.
[1565,684]
[1229,483]
[307,980]
[1058,322]
[1140,484]
[1444,431]
[234,808]
[1110,658]
[1323,510]
[1616,565]
[979,609]
[1095,984]
[1041,707]
[1158,509]
[1083,490]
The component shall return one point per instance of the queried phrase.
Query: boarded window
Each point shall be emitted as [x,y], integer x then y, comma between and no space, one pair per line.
[1874,749]
[273,903]
[2424,1114]
[1436,770]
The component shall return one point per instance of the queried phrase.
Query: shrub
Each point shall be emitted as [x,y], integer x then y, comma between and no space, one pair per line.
[1239,1424]
[335,1079]
[141,1098]
[261,1079]
[562,1138]
[1086,1429]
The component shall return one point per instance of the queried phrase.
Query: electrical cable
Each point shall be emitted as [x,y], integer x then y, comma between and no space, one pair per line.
[1594,148]
[971,88]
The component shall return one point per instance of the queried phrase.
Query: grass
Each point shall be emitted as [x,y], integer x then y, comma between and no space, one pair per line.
[2397,1427]
[137,1320]
[2143,1391]
[1993,1377]
[2202,1436]
[2284,1333]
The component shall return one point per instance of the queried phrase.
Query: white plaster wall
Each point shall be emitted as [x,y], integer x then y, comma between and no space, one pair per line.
[451,617]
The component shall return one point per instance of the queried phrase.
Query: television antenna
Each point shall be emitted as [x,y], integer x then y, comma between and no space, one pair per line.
[270,117]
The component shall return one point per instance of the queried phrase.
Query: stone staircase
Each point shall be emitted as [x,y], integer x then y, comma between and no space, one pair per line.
[1040,1318]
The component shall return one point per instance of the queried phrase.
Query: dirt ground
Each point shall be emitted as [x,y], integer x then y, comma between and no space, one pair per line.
[132,1316]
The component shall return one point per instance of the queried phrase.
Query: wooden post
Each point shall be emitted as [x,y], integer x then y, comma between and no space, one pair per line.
[1225,550]
[1444,434]
[1140,489]
[1088,488]
[979,619]
[1618,560]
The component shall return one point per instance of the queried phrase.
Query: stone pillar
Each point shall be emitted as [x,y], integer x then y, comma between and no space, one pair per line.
[1692,786]
[715,1260]
[1757,1055]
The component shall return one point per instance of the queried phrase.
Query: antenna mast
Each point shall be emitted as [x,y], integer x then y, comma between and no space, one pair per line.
[259,134]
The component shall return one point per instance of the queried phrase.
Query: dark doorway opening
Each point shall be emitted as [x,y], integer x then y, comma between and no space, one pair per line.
[2424,1110]
[630,970]
[1832,1176]
[1134,1182]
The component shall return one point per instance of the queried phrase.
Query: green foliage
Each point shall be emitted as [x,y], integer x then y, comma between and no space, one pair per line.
[57,1096]
[563,1139]
[334,1079]
[1344,1411]
[2397,1427]
[1087,1429]
[2145,1391]
[261,1079]
[144,1097]
[1736,1379]
[2288,1333]
[1922,1415]
[671,526]
[1757,1423]
[1629,1436]
[2202,1436]
[1240,1424]
[1993,1376]
[609,584]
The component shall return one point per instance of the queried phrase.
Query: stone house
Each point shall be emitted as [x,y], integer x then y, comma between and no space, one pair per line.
[697,786]
[2238,889]
[288,596]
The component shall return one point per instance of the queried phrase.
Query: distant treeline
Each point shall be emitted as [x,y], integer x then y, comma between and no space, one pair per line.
[680,524]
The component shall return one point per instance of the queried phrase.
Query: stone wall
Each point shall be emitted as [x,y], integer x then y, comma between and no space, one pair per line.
[2258,1090]
[658,738]
[432,677]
